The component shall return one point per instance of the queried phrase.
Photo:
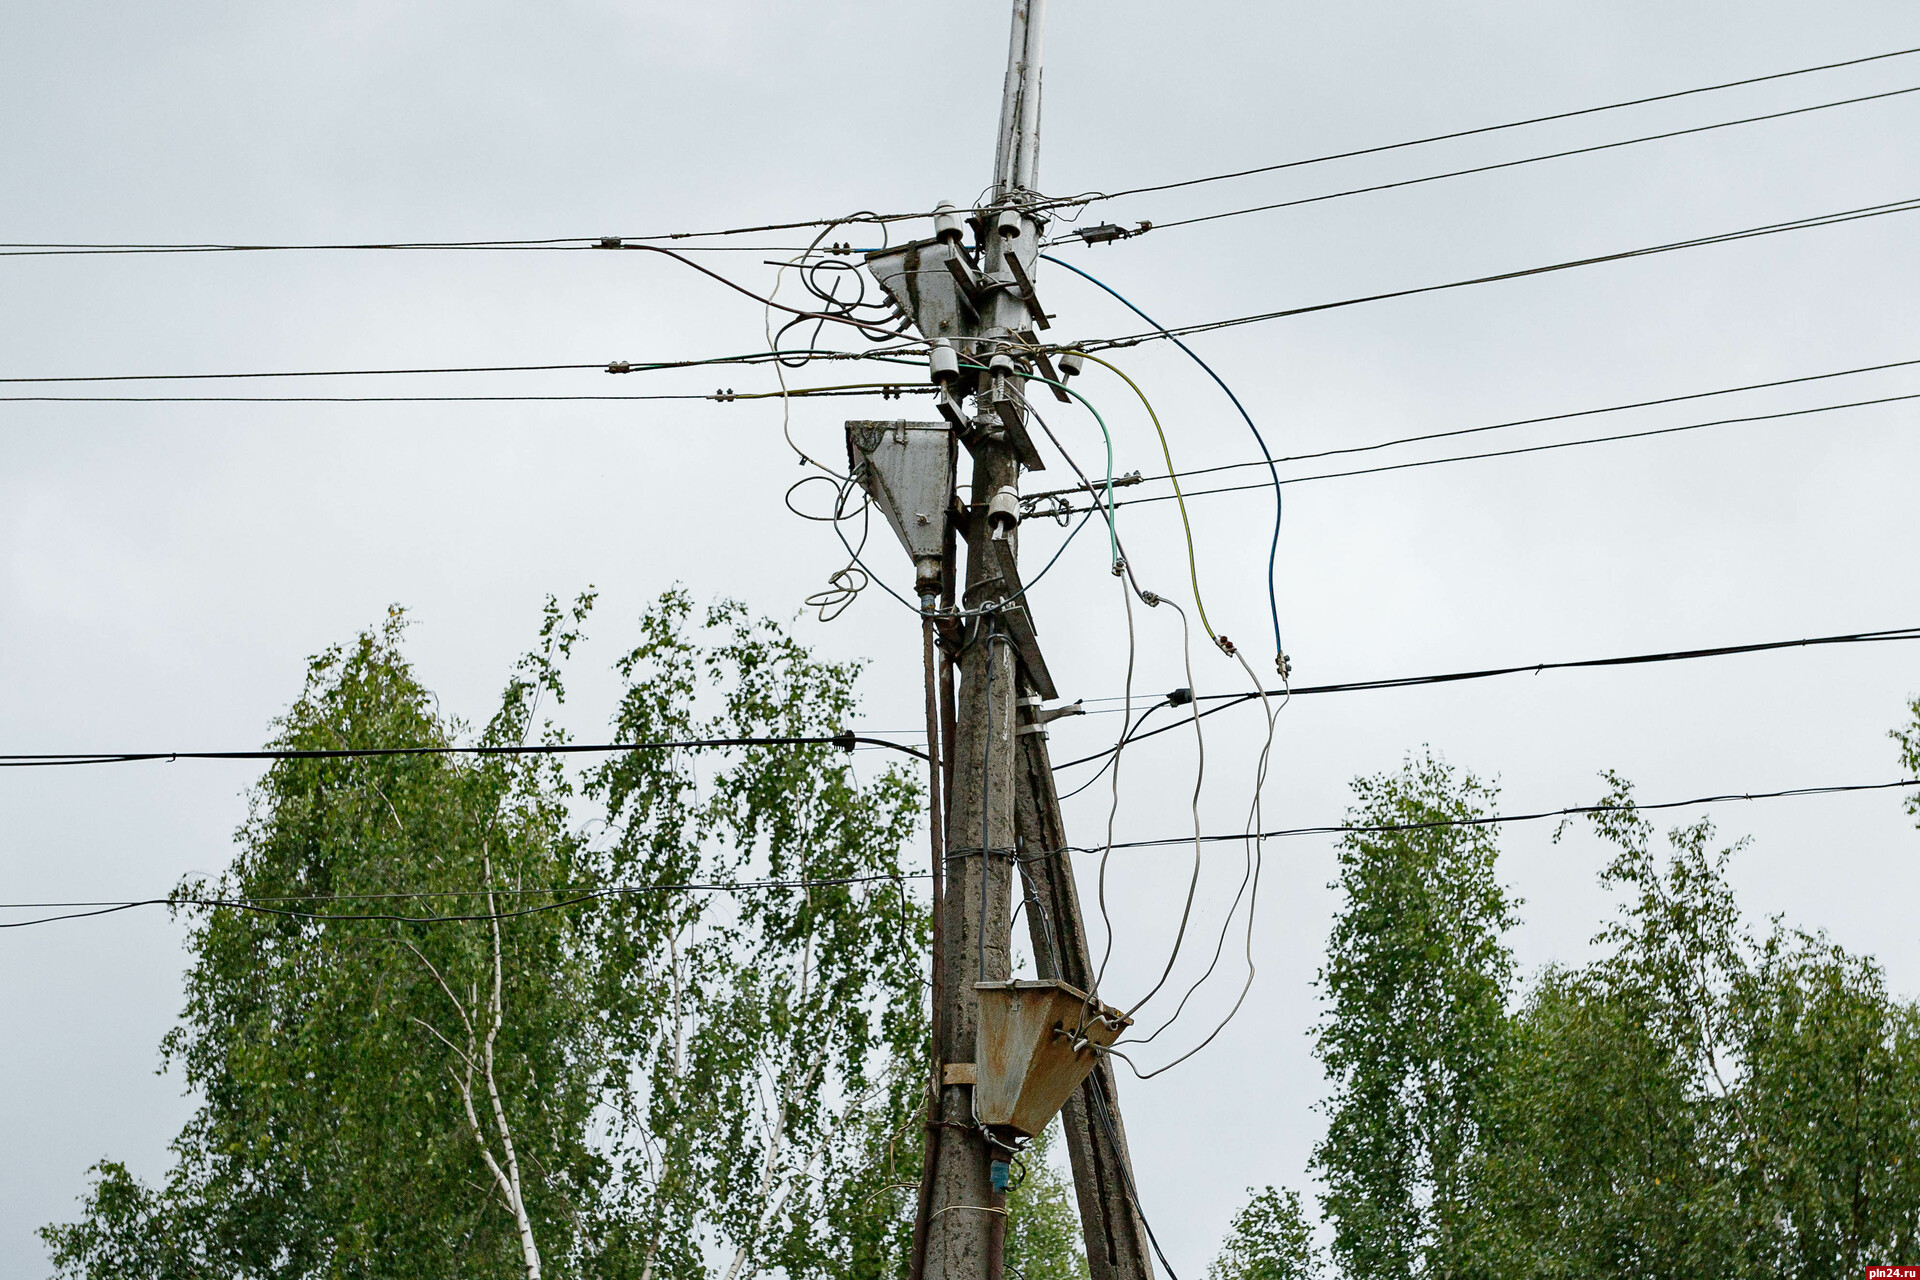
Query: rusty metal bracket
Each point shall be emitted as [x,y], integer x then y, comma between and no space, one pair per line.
[1027,295]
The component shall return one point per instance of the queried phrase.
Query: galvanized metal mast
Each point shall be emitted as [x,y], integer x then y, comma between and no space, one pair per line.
[979,308]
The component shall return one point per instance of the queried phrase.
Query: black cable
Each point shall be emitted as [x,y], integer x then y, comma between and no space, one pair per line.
[1572,811]
[1342,829]
[1501,426]
[1513,164]
[1113,753]
[888,392]
[1907,205]
[478,246]
[1496,128]
[1515,452]
[617,366]
[255,905]
[1126,1172]
[870,218]
[848,740]
[1632,660]
[845,741]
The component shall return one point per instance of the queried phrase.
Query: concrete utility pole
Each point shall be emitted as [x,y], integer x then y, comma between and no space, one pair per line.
[980,310]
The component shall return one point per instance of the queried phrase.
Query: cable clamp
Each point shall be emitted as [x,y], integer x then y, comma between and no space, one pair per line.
[723,394]
[1107,232]
[1226,645]
[619,366]
[610,242]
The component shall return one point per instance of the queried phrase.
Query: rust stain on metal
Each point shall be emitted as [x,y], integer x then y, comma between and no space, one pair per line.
[1028,1065]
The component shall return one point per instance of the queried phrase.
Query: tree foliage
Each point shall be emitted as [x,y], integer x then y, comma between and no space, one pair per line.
[1415,981]
[687,1082]
[1270,1238]
[1697,1100]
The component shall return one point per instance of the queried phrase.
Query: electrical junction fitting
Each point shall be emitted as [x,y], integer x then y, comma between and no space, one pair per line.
[1003,511]
[943,366]
[946,224]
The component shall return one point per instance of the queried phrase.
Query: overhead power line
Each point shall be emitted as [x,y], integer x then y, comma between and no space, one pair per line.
[1510,124]
[845,741]
[1158,225]
[871,218]
[1499,819]
[565,244]
[603,366]
[85,910]
[566,898]
[1496,426]
[885,390]
[1493,453]
[1227,700]
[849,739]
[1906,205]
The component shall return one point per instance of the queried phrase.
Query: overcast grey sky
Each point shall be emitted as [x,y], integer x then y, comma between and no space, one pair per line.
[165,569]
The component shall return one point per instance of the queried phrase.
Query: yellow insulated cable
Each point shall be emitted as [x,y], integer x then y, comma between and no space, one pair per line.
[1193,567]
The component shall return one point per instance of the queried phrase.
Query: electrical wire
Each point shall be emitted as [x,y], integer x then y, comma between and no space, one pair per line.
[1158,225]
[256,905]
[1199,782]
[501,246]
[1186,526]
[846,741]
[1497,128]
[1572,811]
[1527,449]
[849,739]
[1110,754]
[869,218]
[1279,504]
[1227,700]
[746,886]
[886,391]
[617,366]
[1907,205]
[1502,426]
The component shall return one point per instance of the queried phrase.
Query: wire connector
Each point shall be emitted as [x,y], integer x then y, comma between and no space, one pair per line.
[619,366]
[610,242]
[1226,645]
[1107,232]
[1284,665]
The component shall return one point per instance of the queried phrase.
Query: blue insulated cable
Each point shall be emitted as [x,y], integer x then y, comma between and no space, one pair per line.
[1273,550]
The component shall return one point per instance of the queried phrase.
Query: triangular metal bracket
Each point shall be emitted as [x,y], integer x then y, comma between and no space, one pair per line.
[1017,618]
[907,469]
